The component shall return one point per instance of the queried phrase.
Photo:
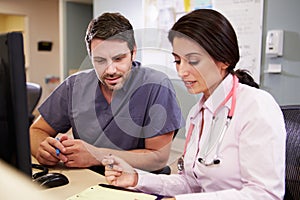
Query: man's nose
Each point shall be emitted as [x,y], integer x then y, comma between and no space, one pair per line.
[111,68]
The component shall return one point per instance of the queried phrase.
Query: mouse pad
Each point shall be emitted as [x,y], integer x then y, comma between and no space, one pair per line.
[109,192]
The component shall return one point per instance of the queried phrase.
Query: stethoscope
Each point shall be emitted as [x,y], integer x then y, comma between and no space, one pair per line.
[216,160]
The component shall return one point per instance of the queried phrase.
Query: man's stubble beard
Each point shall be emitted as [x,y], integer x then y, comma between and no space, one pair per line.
[118,86]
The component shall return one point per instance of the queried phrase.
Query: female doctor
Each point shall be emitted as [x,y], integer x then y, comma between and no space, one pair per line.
[235,139]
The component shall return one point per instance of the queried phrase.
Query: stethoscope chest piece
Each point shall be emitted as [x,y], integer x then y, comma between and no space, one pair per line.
[180,164]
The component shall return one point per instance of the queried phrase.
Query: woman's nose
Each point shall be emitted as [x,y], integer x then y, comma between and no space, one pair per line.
[181,70]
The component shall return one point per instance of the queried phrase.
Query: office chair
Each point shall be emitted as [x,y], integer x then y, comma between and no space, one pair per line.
[292,123]
[34,92]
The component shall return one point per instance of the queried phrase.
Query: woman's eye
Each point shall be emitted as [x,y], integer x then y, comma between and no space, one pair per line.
[177,62]
[193,62]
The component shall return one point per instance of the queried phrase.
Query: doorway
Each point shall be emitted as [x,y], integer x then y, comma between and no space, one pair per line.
[75,17]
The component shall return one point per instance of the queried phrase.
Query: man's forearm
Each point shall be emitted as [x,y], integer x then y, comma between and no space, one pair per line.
[149,160]
[36,137]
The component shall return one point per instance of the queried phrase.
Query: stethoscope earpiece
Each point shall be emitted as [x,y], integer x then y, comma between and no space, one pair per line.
[215,161]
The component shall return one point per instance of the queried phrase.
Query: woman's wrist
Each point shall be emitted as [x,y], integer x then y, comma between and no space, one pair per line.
[135,178]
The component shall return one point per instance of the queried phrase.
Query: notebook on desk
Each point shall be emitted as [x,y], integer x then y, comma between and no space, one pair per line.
[109,192]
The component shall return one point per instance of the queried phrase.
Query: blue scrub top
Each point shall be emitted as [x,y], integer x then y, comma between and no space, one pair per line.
[144,107]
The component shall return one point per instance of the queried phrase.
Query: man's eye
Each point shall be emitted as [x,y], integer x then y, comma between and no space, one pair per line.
[99,61]
[119,58]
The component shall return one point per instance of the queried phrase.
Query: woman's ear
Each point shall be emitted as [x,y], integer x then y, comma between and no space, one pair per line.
[222,66]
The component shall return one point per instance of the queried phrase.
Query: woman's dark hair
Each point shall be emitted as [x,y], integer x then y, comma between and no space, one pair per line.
[212,31]
[109,26]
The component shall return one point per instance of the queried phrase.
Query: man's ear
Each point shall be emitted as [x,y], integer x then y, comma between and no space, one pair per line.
[133,54]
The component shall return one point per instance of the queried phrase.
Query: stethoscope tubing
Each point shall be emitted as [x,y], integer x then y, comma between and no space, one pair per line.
[216,160]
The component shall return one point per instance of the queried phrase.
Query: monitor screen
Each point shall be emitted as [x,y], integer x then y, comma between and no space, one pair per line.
[14,124]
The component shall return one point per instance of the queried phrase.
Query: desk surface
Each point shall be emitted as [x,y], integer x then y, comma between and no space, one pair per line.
[15,185]
[79,180]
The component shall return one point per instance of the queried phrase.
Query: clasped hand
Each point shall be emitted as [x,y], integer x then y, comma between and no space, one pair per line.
[72,152]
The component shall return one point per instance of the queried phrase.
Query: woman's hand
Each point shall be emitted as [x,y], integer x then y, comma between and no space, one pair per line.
[118,172]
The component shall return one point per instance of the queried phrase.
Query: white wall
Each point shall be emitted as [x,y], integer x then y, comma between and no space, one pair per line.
[133,10]
[42,24]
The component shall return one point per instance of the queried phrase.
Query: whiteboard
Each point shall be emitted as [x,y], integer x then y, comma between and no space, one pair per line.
[246,17]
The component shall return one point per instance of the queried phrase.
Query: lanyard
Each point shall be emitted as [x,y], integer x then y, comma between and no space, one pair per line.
[231,94]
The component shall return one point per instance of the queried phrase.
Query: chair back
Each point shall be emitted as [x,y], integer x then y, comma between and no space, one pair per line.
[292,123]
[34,92]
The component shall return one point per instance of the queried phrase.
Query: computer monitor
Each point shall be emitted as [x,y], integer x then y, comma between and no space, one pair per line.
[14,123]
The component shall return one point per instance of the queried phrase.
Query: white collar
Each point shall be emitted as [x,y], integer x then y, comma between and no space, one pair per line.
[216,98]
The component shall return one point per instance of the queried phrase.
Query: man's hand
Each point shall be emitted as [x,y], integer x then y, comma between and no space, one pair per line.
[47,152]
[79,153]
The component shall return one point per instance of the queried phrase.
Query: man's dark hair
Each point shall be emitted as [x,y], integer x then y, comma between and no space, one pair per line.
[110,26]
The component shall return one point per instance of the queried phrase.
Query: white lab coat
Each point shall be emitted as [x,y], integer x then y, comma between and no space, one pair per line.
[252,152]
